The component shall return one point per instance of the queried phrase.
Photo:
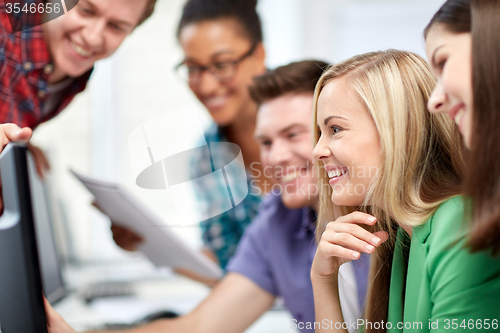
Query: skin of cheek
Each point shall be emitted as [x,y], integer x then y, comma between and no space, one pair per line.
[73,27]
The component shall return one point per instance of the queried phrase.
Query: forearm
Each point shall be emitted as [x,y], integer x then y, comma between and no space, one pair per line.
[235,303]
[327,304]
[180,324]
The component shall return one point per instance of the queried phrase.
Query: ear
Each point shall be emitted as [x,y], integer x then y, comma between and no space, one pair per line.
[260,55]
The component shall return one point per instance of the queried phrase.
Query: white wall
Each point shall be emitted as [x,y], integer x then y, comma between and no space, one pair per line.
[333,30]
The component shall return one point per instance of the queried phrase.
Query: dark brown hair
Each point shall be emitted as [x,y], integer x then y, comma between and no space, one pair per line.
[297,77]
[480,18]
[243,11]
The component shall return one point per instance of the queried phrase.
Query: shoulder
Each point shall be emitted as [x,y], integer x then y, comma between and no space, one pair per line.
[269,209]
[446,227]
[459,279]
[448,219]
[449,235]
[274,219]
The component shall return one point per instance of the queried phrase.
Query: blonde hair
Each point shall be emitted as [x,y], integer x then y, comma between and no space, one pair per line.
[421,154]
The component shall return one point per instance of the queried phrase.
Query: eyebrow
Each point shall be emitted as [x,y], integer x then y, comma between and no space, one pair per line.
[286,129]
[211,57]
[327,119]
[433,59]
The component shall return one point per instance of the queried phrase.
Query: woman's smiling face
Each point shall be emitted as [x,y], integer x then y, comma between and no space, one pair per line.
[218,41]
[349,143]
[449,55]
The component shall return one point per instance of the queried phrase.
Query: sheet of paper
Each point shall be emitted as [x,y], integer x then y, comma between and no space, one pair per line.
[160,245]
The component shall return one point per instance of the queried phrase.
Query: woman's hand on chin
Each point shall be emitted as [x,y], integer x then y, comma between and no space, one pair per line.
[342,241]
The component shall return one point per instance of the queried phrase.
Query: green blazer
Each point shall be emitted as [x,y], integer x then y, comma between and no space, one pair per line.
[443,287]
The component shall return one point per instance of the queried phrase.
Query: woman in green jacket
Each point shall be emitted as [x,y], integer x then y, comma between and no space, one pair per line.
[391,174]
[463,48]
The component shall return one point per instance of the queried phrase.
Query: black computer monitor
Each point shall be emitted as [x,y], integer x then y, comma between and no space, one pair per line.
[43,215]
[21,300]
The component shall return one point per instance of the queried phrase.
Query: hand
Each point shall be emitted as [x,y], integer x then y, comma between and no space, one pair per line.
[126,238]
[342,241]
[56,323]
[11,133]
[123,237]
[41,162]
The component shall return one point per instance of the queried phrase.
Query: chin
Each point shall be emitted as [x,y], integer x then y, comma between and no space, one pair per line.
[350,201]
[294,201]
[73,71]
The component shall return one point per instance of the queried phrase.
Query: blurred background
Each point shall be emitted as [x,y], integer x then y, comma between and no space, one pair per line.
[139,83]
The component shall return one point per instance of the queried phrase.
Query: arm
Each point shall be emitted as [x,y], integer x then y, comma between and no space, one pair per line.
[234,304]
[342,241]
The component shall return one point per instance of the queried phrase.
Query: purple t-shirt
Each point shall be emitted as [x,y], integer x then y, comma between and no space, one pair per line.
[276,252]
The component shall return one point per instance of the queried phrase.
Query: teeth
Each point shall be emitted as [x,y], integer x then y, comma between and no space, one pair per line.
[79,50]
[216,100]
[336,173]
[459,116]
[289,177]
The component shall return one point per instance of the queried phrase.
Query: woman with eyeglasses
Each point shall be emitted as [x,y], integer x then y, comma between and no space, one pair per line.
[223,52]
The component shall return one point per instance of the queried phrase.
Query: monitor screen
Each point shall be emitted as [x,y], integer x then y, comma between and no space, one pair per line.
[53,287]
[21,300]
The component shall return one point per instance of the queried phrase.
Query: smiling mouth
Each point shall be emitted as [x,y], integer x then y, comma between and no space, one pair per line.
[292,176]
[459,116]
[457,113]
[80,50]
[215,102]
[336,174]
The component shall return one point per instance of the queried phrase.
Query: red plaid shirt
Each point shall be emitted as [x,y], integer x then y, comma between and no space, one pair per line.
[25,66]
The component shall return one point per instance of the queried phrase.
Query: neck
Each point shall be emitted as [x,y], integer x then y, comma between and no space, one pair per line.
[243,126]
[407,228]
[57,76]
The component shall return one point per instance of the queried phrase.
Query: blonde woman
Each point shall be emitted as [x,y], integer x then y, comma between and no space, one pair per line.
[391,174]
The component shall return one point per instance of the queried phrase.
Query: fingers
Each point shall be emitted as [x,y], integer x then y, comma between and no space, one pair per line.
[353,238]
[341,252]
[352,242]
[125,238]
[12,132]
[383,235]
[357,217]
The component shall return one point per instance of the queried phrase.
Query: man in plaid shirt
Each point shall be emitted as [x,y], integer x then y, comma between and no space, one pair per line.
[43,68]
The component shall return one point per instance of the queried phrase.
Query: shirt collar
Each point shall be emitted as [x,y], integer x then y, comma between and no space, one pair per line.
[422,232]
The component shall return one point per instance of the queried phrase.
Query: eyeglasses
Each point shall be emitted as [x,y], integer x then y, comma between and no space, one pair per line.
[223,71]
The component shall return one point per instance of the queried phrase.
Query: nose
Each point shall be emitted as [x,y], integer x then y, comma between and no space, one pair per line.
[208,84]
[321,150]
[93,34]
[280,153]
[438,101]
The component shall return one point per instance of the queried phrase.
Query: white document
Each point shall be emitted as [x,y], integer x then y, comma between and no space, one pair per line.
[160,244]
